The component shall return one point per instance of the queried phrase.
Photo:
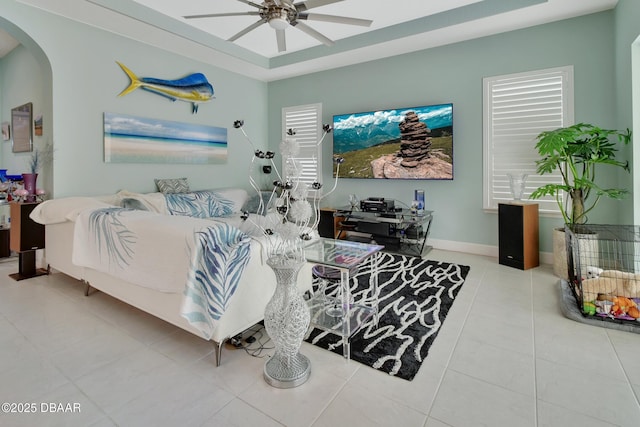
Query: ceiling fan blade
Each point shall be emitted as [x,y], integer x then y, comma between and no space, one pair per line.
[282,42]
[216,15]
[336,19]
[250,3]
[310,4]
[313,33]
[246,30]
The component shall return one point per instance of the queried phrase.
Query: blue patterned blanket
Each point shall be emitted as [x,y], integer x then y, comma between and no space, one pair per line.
[199,204]
[202,259]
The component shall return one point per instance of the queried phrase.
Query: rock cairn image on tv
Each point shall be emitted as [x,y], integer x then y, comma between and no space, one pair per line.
[415,159]
[413,143]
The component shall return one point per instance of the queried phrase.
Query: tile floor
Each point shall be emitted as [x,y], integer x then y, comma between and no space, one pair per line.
[505,357]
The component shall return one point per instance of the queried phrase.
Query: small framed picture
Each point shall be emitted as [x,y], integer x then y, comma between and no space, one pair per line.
[37,125]
[22,125]
[6,131]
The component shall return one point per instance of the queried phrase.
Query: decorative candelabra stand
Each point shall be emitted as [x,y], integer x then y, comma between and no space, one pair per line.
[291,220]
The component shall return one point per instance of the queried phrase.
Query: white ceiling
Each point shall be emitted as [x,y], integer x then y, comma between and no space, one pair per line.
[263,40]
[399,26]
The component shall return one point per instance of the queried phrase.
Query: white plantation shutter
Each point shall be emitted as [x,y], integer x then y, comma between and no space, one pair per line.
[517,107]
[306,120]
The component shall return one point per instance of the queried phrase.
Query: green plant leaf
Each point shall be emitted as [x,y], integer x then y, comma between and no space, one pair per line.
[575,151]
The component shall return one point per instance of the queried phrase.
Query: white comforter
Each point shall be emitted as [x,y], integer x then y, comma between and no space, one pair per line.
[199,258]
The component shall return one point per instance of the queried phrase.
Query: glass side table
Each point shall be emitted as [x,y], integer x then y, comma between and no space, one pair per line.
[345,256]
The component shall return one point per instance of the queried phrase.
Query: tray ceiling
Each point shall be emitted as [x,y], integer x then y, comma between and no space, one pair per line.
[398,27]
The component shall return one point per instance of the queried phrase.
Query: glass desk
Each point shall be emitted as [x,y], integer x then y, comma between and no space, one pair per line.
[345,256]
[400,231]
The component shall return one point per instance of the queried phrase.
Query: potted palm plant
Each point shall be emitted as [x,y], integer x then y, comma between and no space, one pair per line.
[575,151]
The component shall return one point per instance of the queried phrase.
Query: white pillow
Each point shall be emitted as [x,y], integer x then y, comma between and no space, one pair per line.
[237,195]
[55,211]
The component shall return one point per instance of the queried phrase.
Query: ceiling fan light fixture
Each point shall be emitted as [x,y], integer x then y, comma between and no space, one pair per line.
[280,14]
[278,23]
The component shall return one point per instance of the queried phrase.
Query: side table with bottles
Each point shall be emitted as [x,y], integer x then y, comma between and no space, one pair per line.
[401,230]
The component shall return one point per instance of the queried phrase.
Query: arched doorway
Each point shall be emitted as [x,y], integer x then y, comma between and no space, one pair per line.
[25,76]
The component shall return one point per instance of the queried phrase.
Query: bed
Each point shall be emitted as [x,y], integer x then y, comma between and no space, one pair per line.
[170,231]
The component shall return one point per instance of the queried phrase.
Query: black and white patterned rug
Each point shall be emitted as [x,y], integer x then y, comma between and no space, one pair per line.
[415,297]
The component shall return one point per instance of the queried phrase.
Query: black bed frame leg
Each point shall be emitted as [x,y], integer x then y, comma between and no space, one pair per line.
[87,289]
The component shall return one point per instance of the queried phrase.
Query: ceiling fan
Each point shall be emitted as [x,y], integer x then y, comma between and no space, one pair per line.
[280,14]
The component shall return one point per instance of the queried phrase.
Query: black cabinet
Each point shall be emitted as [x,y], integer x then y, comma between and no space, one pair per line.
[5,250]
[329,225]
[26,237]
[326,225]
[518,235]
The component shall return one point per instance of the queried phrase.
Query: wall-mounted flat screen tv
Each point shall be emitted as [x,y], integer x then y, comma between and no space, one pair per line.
[400,143]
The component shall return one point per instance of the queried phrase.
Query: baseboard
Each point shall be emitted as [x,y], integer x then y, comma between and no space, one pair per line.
[478,249]
[471,248]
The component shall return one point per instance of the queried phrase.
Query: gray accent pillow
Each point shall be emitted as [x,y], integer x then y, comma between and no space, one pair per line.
[173,185]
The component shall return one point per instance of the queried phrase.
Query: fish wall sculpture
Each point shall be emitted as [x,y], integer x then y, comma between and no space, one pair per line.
[193,88]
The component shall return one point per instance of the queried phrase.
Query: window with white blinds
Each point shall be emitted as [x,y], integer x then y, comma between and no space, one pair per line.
[517,107]
[306,121]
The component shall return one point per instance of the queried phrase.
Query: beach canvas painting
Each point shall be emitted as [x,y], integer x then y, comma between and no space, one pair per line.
[131,139]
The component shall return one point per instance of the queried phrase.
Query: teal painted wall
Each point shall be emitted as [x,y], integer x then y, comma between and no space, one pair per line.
[25,76]
[454,74]
[21,80]
[81,81]
[85,81]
